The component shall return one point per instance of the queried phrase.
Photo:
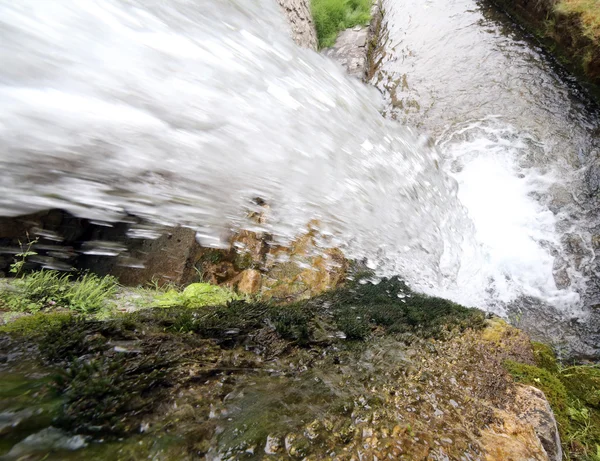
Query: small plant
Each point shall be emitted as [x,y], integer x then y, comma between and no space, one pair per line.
[89,293]
[46,289]
[21,258]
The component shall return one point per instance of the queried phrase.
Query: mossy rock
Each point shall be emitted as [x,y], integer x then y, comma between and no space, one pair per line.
[196,295]
[38,324]
[549,384]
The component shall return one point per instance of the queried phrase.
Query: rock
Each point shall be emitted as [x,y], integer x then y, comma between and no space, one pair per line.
[250,282]
[166,259]
[302,269]
[46,440]
[299,17]
[511,440]
[534,409]
[350,50]
[273,445]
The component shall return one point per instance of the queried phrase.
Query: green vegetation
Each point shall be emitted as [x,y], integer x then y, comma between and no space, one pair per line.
[196,295]
[21,258]
[589,11]
[230,377]
[332,16]
[355,311]
[52,289]
[37,324]
[573,394]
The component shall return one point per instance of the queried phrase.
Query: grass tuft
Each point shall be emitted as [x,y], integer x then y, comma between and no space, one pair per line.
[52,289]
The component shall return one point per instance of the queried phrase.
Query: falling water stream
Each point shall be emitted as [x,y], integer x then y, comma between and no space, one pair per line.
[473,185]
[521,139]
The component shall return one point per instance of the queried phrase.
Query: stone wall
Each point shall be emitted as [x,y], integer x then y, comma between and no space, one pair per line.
[299,17]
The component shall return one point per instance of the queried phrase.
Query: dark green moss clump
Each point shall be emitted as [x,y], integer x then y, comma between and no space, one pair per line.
[356,311]
[391,305]
[107,394]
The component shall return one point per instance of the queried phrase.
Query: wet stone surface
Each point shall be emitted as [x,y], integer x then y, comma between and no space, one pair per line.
[370,371]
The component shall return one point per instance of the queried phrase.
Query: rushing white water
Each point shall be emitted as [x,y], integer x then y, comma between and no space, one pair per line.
[515,232]
[184,111]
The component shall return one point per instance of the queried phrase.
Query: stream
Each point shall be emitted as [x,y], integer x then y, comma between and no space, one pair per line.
[521,139]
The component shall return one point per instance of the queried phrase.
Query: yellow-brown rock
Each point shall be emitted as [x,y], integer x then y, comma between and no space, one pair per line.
[249,282]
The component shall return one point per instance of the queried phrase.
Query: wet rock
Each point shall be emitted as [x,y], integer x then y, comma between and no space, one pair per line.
[511,440]
[249,282]
[534,409]
[350,50]
[592,179]
[165,259]
[47,440]
[273,445]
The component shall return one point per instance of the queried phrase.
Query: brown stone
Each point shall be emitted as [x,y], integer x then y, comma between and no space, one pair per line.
[250,282]
[511,440]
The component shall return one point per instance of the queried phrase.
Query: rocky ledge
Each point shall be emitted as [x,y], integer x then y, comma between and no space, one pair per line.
[364,372]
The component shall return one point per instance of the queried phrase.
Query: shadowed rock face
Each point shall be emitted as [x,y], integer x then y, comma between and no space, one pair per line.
[252,264]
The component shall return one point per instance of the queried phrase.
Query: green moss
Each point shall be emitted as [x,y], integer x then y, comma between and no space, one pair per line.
[353,324]
[196,295]
[392,305]
[332,16]
[544,357]
[573,394]
[291,322]
[37,324]
[106,394]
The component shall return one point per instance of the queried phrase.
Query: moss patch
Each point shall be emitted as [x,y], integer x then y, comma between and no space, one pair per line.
[37,324]
[544,357]
[196,295]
